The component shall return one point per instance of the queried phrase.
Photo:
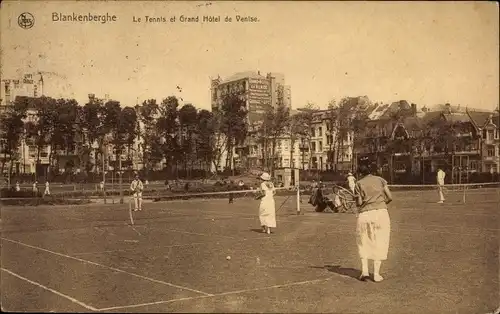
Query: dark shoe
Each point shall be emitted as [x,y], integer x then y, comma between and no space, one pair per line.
[364,278]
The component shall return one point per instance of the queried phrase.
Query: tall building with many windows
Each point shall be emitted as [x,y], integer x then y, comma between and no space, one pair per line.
[30,85]
[259,91]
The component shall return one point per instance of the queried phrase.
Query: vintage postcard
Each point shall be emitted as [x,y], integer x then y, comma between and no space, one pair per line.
[249,156]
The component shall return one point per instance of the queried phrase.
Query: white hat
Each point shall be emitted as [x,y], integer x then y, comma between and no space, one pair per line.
[265,176]
[349,174]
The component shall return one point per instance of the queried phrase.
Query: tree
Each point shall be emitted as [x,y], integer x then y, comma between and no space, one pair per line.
[305,119]
[147,114]
[12,130]
[128,128]
[351,117]
[93,128]
[65,128]
[45,126]
[205,139]
[293,133]
[220,141]
[187,121]
[276,121]
[234,123]
[167,128]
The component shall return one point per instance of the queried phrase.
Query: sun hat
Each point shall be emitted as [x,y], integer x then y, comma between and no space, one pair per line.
[265,176]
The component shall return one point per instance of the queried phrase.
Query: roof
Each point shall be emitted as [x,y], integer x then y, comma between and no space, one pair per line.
[480,118]
[242,75]
[413,123]
[457,117]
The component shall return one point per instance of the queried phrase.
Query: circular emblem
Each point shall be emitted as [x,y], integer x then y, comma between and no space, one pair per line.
[26,20]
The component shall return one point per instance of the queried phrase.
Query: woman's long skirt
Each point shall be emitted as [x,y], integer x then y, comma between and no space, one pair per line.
[267,212]
[373,233]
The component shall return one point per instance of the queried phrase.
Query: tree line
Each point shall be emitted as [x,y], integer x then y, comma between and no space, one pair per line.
[181,136]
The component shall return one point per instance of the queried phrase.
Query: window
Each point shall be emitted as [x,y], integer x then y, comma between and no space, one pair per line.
[484,134]
[313,146]
[473,165]
[320,131]
[491,151]
[320,146]
[490,135]
[313,134]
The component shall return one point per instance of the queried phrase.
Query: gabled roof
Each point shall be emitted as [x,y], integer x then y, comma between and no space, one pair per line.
[480,118]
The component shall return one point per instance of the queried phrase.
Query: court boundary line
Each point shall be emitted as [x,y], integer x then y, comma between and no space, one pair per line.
[107,267]
[290,284]
[67,297]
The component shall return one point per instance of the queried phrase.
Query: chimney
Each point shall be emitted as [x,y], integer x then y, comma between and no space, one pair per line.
[414,109]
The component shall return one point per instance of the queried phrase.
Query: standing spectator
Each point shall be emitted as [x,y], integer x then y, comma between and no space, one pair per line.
[47,188]
[373,222]
[136,187]
[35,188]
[18,188]
[230,188]
[440,182]
[351,182]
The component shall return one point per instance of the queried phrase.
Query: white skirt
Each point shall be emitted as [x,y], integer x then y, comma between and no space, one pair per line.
[373,232]
[267,212]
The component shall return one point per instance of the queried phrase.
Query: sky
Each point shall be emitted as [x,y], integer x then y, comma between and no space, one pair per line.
[424,52]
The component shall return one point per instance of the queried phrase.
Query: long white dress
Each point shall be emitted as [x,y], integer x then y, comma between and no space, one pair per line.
[267,208]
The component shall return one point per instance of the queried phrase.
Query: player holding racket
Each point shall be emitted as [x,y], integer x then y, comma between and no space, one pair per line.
[137,187]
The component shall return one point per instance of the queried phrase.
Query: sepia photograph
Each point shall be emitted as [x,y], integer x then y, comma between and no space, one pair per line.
[249,156]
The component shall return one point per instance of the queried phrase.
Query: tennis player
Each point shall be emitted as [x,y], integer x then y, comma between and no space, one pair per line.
[440,182]
[267,208]
[373,222]
[137,187]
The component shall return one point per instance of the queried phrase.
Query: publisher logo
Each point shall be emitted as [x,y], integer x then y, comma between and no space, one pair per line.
[26,20]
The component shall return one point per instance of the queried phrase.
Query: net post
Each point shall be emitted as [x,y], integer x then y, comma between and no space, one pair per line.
[298,199]
[465,187]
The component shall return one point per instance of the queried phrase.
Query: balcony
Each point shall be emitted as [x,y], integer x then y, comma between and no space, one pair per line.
[490,158]
[490,141]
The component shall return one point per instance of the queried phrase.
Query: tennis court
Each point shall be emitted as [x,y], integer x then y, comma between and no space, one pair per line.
[443,258]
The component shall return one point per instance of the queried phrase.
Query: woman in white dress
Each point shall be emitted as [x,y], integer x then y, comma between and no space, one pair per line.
[267,208]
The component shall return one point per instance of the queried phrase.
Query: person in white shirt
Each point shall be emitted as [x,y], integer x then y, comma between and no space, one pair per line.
[136,186]
[18,188]
[47,188]
[35,187]
[440,182]
[351,181]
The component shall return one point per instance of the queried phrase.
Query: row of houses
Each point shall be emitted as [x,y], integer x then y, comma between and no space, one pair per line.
[398,137]
[402,140]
